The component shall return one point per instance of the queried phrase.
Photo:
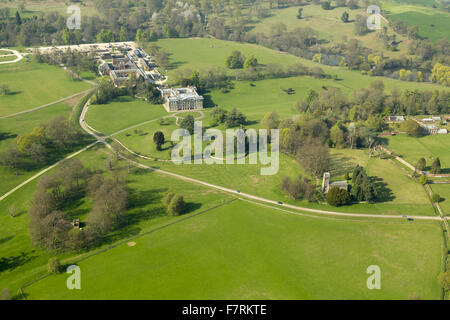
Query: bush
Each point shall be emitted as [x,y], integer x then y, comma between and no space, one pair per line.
[338,197]
[436,198]
[176,206]
[423,180]
[54,265]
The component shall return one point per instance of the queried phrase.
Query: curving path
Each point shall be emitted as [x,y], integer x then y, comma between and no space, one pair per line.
[15,52]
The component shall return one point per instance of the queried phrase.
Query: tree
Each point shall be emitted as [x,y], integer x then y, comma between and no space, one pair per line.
[436,198]
[338,197]
[436,166]
[270,121]
[250,62]
[158,139]
[188,123]
[337,136]
[345,17]
[300,12]
[444,280]
[167,199]
[421,164]
[176,206]
[235,118]
[314,157]
[6,294]
[235,61]
[326,5]
[423,179]
[360,25]
[412,128]
[54,265]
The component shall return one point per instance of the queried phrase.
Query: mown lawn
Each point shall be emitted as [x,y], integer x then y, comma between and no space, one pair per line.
[244,251]
[122,113]
[444,191]
[32,84]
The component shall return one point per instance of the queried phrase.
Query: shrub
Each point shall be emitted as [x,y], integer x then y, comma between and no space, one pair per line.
[338,197]
[436,198]
[176,206]
[423,180]
[54,265]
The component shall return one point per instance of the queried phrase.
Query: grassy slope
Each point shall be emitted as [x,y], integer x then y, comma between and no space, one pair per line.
[444,191]
[201,53]
[242,251]
[33,84]
[433,23]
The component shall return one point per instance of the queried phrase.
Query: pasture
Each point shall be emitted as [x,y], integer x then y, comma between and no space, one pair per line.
[429,147]
[32,85]
[145,212]
[245,251]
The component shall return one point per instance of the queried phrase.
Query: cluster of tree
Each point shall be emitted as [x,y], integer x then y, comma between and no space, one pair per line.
[338,197]
[332,104]
[231,119]
[75,60]
[238,61]
[50,227]
[174,204]
[42,145]
[300,188]
[215,77]
[363,187]
[412,128]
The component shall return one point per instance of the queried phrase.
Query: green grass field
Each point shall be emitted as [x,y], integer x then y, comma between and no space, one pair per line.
[202,53]
[244,251]
[146,190]
[122,113]
[428,147]
[444,191]
[32,84]
[432,22]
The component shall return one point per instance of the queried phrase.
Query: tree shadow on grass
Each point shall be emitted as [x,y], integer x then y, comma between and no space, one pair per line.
[384,194]
[12,262]
[5,239]
[340,165]
[7,135]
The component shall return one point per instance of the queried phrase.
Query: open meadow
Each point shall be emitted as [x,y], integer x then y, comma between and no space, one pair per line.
[33,84]
[236,252]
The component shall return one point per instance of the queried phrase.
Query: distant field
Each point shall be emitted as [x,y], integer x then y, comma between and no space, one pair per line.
[35,8]
[202,53]
[33,84]
[243,251]
[428,147]
[432,23]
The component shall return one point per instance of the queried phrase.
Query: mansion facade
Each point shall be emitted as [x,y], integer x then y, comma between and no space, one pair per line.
[181,99]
